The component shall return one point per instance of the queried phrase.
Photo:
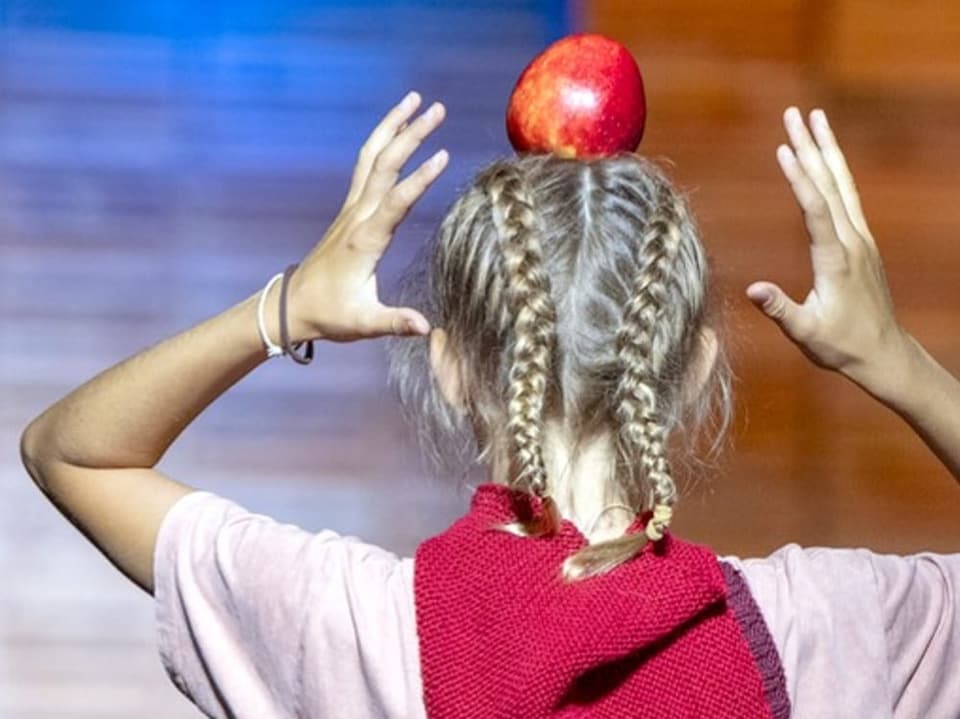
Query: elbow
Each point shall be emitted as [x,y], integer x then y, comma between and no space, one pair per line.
[31,453]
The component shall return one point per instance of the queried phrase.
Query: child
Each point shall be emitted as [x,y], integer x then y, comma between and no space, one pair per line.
[570,338]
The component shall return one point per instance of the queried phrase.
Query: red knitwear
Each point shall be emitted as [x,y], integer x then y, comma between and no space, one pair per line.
[502,635]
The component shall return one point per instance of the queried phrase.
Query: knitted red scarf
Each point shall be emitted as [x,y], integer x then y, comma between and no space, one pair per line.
[502,635]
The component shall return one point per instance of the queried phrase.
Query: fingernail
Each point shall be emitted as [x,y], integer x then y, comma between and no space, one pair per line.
[819,116]
[410,99]
[439,158]
[784,154]
[761,295]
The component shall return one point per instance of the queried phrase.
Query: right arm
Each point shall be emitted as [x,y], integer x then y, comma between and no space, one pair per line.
[847,323]
[927,396]
[879,632]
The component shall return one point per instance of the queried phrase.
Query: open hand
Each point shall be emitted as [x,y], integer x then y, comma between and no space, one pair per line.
[846,323]
[333,293]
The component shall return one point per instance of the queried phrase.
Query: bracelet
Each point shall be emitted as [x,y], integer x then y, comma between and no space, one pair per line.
[272,349]
[307,356]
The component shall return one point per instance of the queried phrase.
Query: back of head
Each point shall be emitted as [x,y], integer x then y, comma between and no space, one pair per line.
[575,292]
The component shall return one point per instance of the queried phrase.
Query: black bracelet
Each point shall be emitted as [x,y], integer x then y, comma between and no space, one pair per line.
[307,356]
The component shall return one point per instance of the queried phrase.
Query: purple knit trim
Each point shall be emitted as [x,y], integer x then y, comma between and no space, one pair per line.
[758,638]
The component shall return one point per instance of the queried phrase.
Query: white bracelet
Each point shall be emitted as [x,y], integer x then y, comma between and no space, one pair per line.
[272,349]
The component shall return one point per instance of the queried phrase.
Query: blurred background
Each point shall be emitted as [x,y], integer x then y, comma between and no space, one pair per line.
[160,161]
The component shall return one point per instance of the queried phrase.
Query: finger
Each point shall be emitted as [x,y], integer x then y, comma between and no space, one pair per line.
[791,317]
[398,201]
[404,321]
[401,198]
[811,159]
[393,123]
[816,211]
[833,156]
[387,165]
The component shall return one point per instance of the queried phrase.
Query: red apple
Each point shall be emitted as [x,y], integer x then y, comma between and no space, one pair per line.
[581,97]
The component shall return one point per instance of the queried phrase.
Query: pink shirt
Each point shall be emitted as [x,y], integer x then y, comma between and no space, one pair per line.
[257,618]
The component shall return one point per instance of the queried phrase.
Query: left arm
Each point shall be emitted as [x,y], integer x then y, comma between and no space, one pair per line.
[93,452]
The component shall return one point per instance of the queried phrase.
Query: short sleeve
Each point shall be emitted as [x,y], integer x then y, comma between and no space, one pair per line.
[920,599]
[256,618]
[860,633]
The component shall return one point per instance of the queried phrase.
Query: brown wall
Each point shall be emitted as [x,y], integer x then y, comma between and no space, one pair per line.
[815,460]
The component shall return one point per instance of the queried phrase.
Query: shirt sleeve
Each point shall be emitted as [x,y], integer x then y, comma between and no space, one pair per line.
[256,618]
[920,600]
[860,633]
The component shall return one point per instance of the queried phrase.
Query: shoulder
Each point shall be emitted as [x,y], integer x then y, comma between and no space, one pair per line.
[815,578]
[801,573]
[205,525]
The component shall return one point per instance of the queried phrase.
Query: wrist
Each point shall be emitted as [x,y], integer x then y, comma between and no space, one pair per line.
[298,330]
[890,377]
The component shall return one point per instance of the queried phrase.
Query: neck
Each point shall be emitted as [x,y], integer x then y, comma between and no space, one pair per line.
[578,484]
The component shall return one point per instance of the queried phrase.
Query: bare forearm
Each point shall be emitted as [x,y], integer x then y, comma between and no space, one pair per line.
[927,397]
[128,415]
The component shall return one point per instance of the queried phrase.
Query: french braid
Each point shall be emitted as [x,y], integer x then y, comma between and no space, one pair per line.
[534,325]
[641,437]
[642,434]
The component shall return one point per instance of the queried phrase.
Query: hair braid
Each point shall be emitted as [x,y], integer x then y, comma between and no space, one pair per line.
[576,292]
[642,433]
[534,328]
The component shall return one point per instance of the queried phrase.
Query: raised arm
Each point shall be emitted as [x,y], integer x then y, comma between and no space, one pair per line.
[847,323]
[93,452]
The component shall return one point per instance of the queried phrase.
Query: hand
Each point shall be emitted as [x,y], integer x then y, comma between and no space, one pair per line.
[846,323]
[333,293]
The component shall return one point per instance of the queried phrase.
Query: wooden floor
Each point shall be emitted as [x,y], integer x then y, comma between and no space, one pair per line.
[156,168]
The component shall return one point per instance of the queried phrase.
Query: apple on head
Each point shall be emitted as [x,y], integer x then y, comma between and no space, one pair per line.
[581,97]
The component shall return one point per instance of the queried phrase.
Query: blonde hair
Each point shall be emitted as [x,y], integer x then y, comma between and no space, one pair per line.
[572,290]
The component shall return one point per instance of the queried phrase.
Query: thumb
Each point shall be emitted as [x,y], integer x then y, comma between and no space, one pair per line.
[776,305]
[403,321]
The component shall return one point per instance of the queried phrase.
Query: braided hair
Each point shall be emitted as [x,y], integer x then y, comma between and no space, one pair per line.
[572,291]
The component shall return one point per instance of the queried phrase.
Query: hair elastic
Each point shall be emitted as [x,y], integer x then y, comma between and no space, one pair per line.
[274,350]
[662,514]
